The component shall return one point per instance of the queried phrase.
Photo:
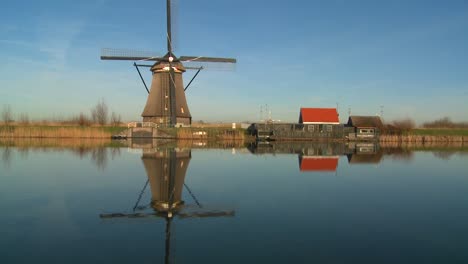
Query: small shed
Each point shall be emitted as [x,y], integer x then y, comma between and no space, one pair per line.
[366,127]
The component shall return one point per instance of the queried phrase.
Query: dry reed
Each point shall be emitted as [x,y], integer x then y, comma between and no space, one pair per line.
[55,142]
[53,132]
[423,139]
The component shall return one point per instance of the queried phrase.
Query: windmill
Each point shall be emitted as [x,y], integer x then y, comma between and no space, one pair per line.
[166,104]
[166,168]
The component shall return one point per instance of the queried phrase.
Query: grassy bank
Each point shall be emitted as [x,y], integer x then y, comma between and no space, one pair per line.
[58,132]
[439,132]
[58,142]
[428,135]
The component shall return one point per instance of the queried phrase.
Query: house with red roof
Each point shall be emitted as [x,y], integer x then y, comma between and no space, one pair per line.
[320,120]
[319,116]
[314,124]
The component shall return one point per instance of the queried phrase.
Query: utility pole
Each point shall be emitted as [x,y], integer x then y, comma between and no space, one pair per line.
[261,113]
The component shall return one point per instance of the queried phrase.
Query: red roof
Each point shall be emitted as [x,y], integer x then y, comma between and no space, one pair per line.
[318,163]
[319,115]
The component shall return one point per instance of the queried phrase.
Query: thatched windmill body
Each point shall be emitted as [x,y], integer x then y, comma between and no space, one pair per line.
[166,104]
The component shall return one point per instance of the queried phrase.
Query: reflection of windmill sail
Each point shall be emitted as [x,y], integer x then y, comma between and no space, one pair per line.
[166,171]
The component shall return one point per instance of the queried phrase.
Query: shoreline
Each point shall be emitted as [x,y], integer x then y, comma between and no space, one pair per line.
[199,133]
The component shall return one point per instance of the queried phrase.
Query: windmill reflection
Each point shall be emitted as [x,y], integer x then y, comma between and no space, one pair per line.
[166,168]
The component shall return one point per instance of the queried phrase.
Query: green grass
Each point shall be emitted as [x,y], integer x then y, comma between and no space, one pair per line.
[439,132]
[114,130]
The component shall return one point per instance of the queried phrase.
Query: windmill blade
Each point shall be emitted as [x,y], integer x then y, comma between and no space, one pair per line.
[128,54]
[216,66]
[128,215]
[205,211]
[174,24]
[206,59]
[209,63]
[201,214]
[182,215]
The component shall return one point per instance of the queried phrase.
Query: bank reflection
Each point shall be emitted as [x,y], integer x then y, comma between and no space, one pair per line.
[325,156]
[166,168]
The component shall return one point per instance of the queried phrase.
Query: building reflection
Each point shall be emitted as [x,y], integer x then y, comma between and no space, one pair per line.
[323,156]
[318,163]
[166,167]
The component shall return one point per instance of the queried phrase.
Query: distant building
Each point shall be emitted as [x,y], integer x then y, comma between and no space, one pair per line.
[314,124]
[365,127]
[319,120]
[320,124]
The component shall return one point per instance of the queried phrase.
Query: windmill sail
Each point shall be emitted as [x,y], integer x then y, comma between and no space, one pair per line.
[166,104]
[129,54]
[207,59]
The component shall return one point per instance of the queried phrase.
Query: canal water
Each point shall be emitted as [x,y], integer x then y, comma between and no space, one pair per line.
[196,202]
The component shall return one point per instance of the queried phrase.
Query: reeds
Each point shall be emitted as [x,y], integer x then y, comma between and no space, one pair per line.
[53,132]
[55,142]
[422,139]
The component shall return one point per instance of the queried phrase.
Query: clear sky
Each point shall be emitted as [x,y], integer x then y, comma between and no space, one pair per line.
[409,56]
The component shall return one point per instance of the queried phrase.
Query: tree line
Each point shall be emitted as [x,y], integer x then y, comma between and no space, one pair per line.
[98,115]
[407,124]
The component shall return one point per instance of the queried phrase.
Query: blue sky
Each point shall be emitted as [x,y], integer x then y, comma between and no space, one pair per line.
[409,56]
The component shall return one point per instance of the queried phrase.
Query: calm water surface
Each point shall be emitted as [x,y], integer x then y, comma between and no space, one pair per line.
[167,203]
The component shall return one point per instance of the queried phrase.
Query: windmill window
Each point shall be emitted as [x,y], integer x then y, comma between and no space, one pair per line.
[182,110]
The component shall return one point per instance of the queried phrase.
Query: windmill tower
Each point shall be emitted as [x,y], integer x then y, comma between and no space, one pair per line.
[166,104]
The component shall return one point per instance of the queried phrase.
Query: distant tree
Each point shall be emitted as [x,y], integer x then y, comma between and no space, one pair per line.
[445,122]
[83,120]
[24,119]
[404,125]
[100,113]
[115,119]
[7,115]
